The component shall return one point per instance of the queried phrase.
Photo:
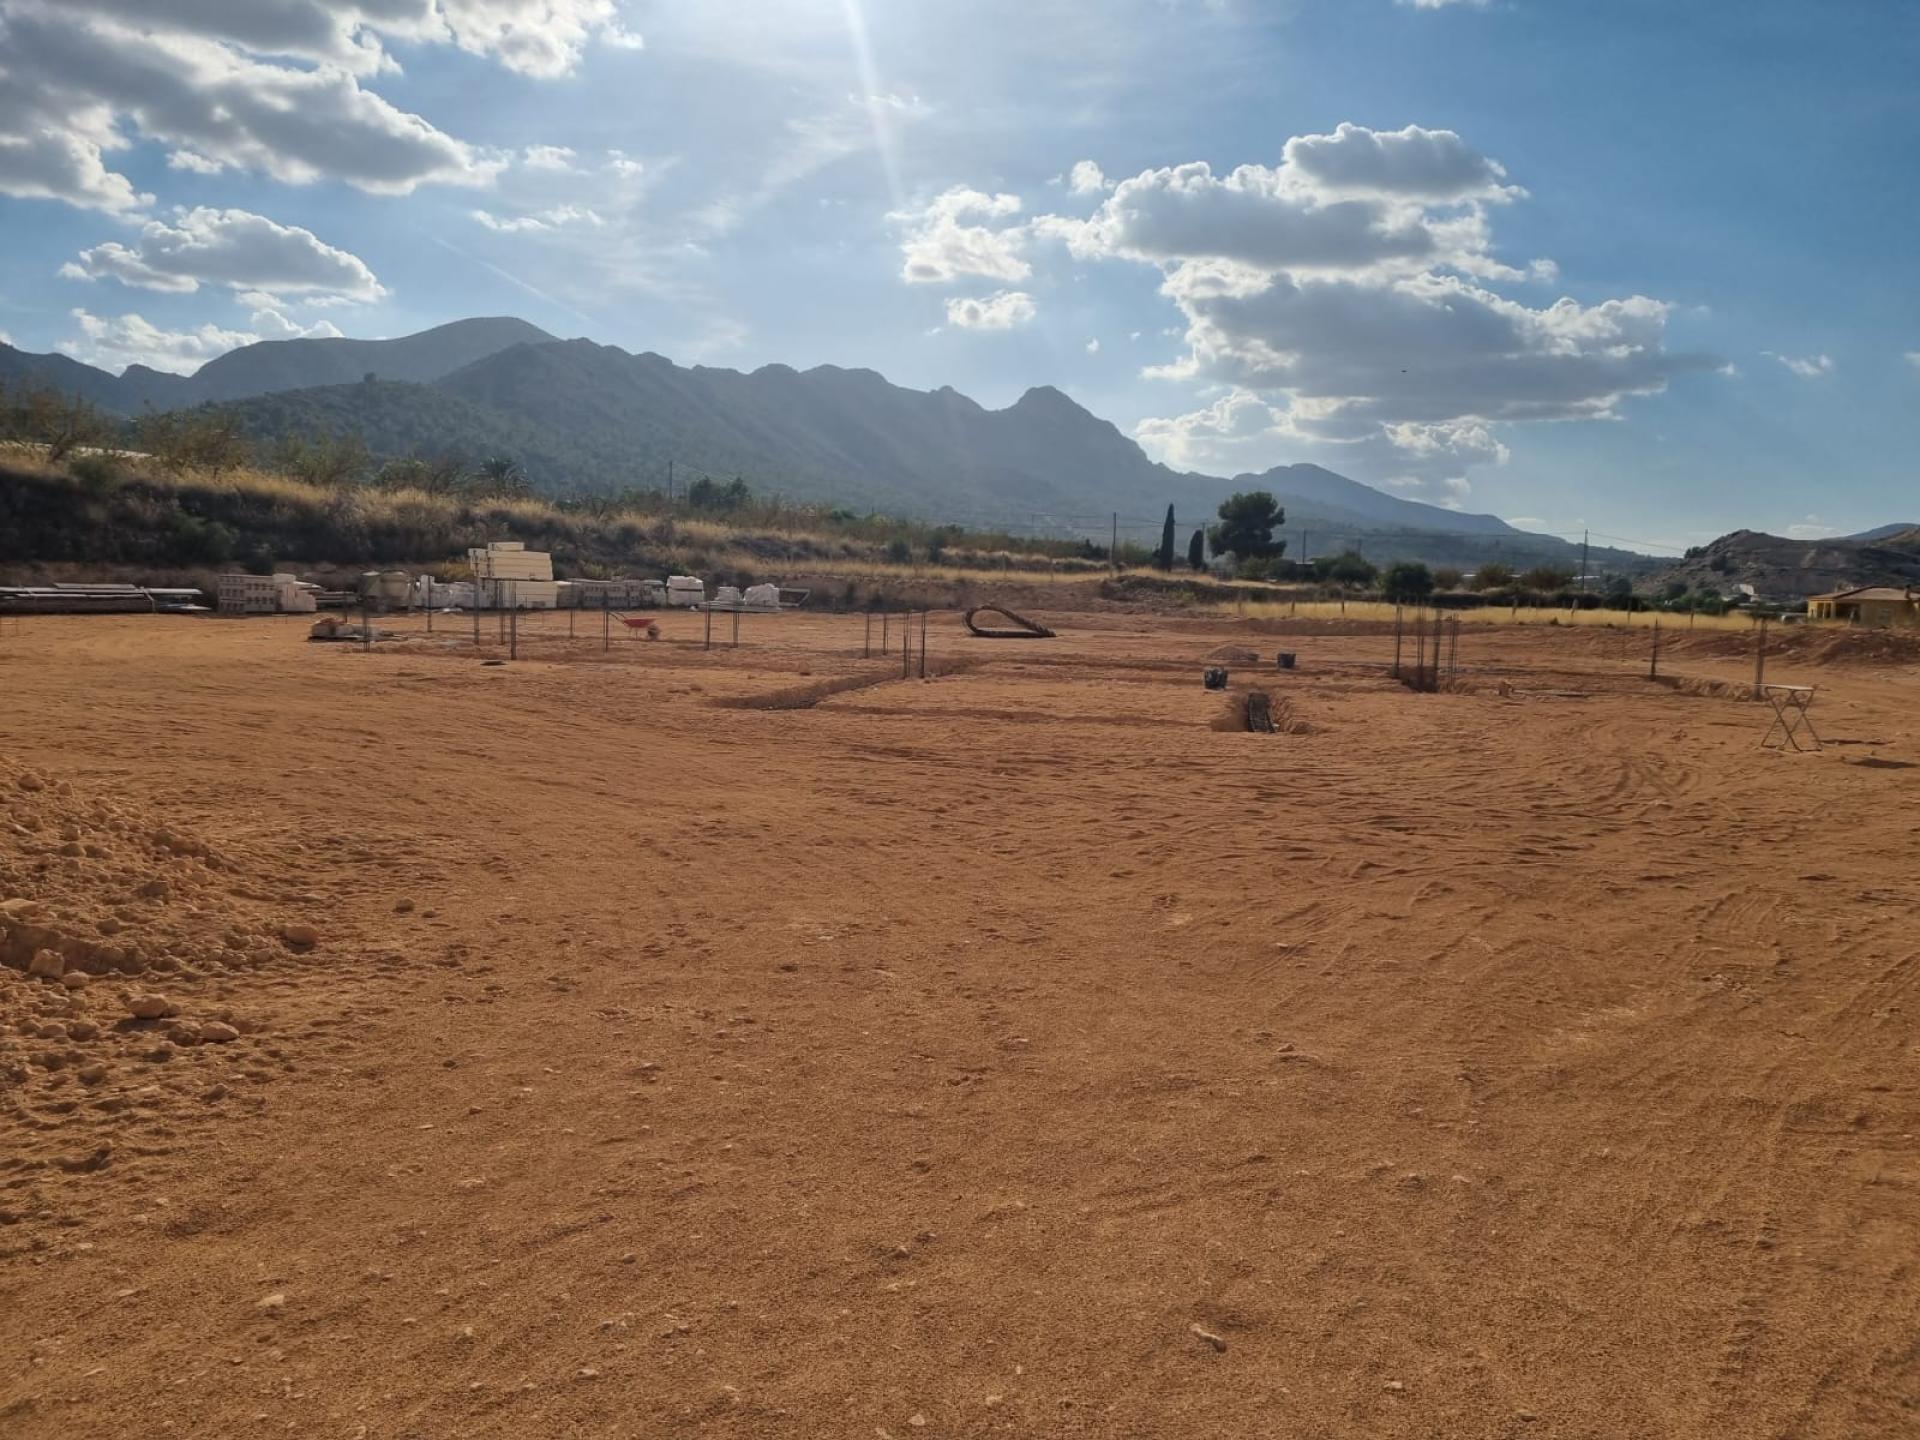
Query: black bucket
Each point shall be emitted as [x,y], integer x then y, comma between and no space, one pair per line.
[1214,677]
[1285,658]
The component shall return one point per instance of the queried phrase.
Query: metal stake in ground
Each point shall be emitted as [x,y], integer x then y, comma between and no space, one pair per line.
[1760,660]
[1397,626]
[366,622]
[513,621]
[923,644]
[1653,661]
[606,622]
[736,628]
[866,638]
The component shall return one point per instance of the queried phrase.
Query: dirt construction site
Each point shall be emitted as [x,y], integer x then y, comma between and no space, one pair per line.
[640,1039]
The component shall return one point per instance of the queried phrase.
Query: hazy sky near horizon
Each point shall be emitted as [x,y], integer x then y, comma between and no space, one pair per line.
[1642,266]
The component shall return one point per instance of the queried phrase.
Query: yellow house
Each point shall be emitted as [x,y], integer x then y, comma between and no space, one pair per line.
[1867,605]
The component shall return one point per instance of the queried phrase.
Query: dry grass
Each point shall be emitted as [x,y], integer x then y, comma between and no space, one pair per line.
[1377,610]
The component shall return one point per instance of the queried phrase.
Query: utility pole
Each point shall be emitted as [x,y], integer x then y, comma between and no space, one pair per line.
[1113,550]
[1583,562]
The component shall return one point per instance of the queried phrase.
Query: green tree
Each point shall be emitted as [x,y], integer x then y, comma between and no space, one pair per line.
[708,494]
[1349,567]
[62,423]
[322,459]
[1546,579]
[1247,523]
[1197,551]
[1493,576]
[1446,578]
[444,475]
[499,477]
[207,439]
[1406,581]
[1164,559]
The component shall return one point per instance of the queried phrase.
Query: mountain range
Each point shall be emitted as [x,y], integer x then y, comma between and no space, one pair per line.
[582,416]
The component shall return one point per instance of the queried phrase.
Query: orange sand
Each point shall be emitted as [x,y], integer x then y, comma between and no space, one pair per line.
[1010,1053]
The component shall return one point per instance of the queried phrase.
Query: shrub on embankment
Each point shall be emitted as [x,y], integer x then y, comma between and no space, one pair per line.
[133,517]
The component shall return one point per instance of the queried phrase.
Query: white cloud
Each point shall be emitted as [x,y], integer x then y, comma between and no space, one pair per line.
[1807,367]
[1345,299]
[1226,435]
[1093,347]
[39,162]
[941,246]
[228,247]
[271,323]
[113,343]
[1086,178]
[1001,311]
[550,219]
[1357,201]
[273,86]
[536,37]
[1413,162]
[1812,528]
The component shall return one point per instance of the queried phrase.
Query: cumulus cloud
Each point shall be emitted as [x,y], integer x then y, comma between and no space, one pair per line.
[271,323]
[957,234]
[537,37]
[1414,162]
[1000,311]
[1086,178]
[113,343]
[274,86]
[1807,367]
[1356,201]
[1345,298]
[235,248]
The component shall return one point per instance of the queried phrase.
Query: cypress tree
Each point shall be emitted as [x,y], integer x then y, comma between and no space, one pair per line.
[1165,557]
[1197,550]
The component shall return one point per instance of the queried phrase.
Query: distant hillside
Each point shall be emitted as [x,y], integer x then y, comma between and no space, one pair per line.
[1322,494]
[579,416]
[1885,532]
[1785,569]
[273,365]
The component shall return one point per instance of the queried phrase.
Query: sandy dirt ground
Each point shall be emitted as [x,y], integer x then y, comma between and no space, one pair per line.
[1007,1053]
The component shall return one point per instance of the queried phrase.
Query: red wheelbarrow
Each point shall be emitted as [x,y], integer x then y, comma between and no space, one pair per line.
[639,625]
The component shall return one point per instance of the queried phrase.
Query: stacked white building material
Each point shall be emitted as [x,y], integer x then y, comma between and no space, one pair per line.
[686,590]
[294,596]
[246,595]
[506,573]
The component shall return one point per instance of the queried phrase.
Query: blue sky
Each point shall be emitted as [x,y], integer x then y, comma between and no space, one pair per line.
[1639,266]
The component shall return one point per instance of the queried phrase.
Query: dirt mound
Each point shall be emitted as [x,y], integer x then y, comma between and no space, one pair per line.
[137,961]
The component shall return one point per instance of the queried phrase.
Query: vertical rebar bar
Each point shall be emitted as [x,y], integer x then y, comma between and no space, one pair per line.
[866,638]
